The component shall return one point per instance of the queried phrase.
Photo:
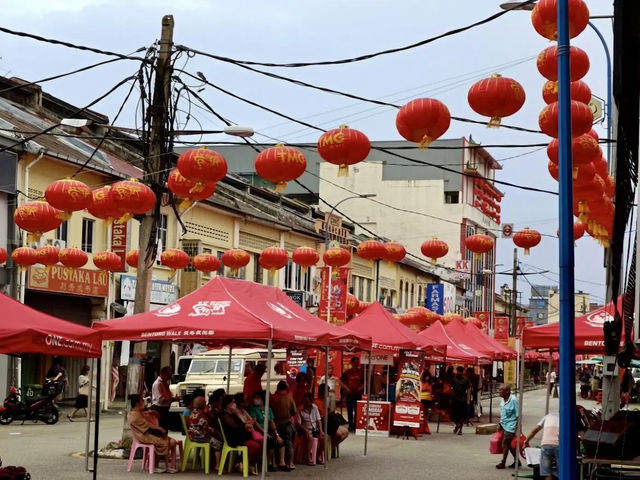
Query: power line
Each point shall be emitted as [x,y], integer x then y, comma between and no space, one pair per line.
[72,45]
[370,55]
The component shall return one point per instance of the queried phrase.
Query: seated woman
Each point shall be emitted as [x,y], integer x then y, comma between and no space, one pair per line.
[256,410]
[309,424]
[200,431]
[237,434]
[147,432]
[249,422]
[337,425]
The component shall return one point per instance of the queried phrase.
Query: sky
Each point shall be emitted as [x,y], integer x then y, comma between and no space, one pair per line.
[311,30]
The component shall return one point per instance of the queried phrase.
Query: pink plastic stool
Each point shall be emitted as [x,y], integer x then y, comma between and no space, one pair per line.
[148,455]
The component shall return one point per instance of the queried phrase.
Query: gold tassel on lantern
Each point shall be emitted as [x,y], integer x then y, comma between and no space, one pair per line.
[425,142]
[494,122]
[343,170]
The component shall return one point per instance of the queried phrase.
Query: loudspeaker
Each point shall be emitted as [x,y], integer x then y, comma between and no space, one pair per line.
[612,439]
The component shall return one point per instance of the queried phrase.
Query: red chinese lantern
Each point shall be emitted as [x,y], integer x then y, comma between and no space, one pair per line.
[132,258]
[451,317]
[202,165]
[474,321]
[352,305]
[602,167]
[24,256]
[371,250]
[479,244]
[47,255]
[280,164]
[434,249]
[336,257]
[583,174]
[305,257]
[427,316]
[132,197]
[189,190]
[36,218]
[102,204]
[394,252]
[73,257]
[235,259]
[610,186]
[175,259]
[553,170]
[273,258]
[3,255]
[496,97]
[107,261]
[68,195]
[580,92]
[343,146]
[412,320]
[581,119]
[547,63]
[578,230]
[584,150]
[206,262]
[527,239]
[423,120]
[544,18]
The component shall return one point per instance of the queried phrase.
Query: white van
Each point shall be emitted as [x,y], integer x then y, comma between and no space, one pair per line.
[209,370]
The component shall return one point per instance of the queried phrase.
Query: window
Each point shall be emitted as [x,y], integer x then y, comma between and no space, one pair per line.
[289,280]
[367,287]
[406,295]
[62,232]
[400,295]
[360,287]
[307,280]
[298,282]
[451,197]
[220,271]
[87,234]
[161,238]
[257,269]
[412,297]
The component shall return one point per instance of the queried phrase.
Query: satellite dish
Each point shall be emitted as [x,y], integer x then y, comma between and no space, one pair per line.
[117,308]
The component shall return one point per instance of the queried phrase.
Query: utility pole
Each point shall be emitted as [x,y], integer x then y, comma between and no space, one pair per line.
[514,294]
[147,233]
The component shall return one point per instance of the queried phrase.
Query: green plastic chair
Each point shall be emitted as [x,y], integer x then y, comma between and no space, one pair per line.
[228,450]
[190,446]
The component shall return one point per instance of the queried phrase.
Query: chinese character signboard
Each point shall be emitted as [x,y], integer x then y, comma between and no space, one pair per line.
[448,297]
[378,418]
[501,329]
[435,297]
[119,243]
[485,318]
[77,281]
[338,306]
[408,407]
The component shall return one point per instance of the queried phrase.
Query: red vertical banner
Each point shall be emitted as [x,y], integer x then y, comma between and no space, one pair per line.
[501,329]
[338,302]
[520,323]
[485,318]
[119,243]
[407,408]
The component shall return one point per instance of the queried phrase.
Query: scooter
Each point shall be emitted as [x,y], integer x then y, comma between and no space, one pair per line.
[43,408]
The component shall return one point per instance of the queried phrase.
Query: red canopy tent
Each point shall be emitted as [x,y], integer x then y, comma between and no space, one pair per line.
[229,311]
[437,334]
[387,333]
[589,337]
[501,352]
[464,338]
[25,330]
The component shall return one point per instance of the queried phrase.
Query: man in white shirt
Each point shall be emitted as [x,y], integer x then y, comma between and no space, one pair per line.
[550,426]
[161,397]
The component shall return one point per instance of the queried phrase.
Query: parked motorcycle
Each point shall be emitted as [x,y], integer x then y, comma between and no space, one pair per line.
[41,409]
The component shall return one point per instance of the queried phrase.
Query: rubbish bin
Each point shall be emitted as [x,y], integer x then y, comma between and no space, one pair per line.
[31,391]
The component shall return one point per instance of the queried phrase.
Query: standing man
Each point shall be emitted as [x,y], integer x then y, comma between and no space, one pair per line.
[553,378]
[161,397]
[549,445]
[461,387]
[253,382]
[353,384]
[508,424]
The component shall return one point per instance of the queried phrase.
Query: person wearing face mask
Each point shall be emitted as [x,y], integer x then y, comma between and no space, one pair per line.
[274,442]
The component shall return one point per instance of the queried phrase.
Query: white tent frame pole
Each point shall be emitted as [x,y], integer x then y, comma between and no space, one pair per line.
[229,370]
[267,398]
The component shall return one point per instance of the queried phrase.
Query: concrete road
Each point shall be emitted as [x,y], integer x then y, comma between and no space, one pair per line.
[50,451]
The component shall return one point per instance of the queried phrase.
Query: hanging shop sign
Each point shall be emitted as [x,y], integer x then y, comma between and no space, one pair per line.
[338,303]
[76,281]
[119,242]
[162,292]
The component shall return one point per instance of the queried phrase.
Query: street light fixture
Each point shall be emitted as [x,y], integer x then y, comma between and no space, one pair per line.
[233,130]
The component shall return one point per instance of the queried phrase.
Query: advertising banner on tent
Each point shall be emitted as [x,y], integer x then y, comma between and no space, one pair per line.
[379,416]
[485,318]
[501,329]
[408,406]
[296,359]
[339,288]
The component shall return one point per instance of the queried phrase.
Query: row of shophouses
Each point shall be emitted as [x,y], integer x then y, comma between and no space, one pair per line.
[243,213]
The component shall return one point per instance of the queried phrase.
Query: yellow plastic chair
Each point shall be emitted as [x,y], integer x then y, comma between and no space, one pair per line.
[190,446]
[228,450]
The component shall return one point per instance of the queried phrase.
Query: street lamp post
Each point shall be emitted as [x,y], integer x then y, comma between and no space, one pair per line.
[326,243]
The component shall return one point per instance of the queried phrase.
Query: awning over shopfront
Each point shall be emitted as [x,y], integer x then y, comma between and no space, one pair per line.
[589,336]
[226,311]
[25,330]
[437,333]
[388,334]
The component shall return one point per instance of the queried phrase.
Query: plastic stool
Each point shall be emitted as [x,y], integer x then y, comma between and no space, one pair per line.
[148,455]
